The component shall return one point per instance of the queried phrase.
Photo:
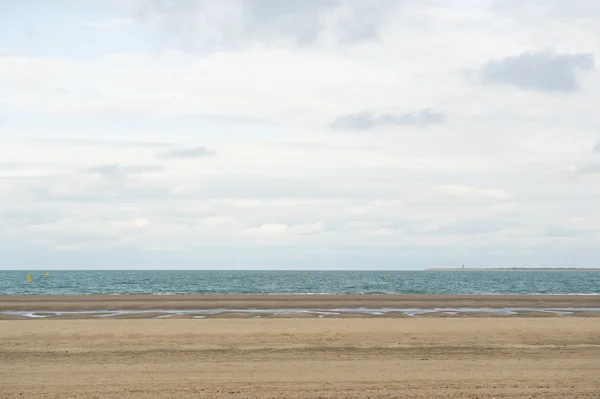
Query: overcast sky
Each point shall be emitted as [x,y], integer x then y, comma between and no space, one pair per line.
[299,134]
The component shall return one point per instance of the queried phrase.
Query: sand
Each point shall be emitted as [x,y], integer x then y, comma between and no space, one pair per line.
[287,356]
[301,358]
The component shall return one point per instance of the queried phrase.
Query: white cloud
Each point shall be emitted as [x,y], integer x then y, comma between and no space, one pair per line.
[108,227]
[472,193]
[382,232]
[189,153]
[10,194]
[269,229]
[217,221]
[277,229]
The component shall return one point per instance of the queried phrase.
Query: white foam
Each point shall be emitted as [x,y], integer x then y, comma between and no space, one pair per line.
[33,315]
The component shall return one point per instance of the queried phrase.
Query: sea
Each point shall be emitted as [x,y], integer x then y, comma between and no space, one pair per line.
[163,282]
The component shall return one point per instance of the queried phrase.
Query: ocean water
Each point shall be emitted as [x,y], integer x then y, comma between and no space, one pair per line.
[299,282]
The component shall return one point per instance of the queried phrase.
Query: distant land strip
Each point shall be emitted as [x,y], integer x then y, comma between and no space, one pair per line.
[526,269]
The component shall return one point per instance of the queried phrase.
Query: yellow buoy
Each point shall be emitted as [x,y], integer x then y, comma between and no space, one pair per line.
[29,278]
[384,276]
[307,276]
[47,274]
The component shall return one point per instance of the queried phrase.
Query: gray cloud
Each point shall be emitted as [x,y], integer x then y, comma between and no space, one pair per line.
[363,24]
[206,25]
[596,148]
[297,20]
[118,171]
[189,153]
[538,71]
[366,120]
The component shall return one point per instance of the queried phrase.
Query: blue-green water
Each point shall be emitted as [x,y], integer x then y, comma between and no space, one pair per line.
[299,282]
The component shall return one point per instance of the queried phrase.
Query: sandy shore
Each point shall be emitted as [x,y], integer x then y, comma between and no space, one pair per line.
[301,358]
[244,306]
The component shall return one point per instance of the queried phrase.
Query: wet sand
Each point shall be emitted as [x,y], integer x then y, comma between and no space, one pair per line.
[301,358]
[295,306]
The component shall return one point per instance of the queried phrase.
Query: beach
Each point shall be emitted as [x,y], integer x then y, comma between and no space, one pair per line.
[301,358]
[285,355]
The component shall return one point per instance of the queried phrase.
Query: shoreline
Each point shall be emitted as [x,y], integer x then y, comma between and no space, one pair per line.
[295,306]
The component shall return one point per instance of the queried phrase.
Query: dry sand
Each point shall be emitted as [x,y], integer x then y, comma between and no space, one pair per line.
[517,357]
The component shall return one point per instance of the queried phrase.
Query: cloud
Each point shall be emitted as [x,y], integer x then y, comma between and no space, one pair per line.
[100,143]
[472,193]
[563,232]
[588,171]
[543,71]
[279,229]
[366,120]
[205,25]
[87,229]
[87,132]
[189,153]
[468,227]
[596,148]
[378,233]
[363,23]
[112,23]
[318,146]
[119,171]
[218,221]
[527,9]
[10,192]
[297,20]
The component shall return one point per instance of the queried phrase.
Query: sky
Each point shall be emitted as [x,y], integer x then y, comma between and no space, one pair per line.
[299,134]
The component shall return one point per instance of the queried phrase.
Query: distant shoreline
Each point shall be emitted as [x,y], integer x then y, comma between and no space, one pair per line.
[512,269]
